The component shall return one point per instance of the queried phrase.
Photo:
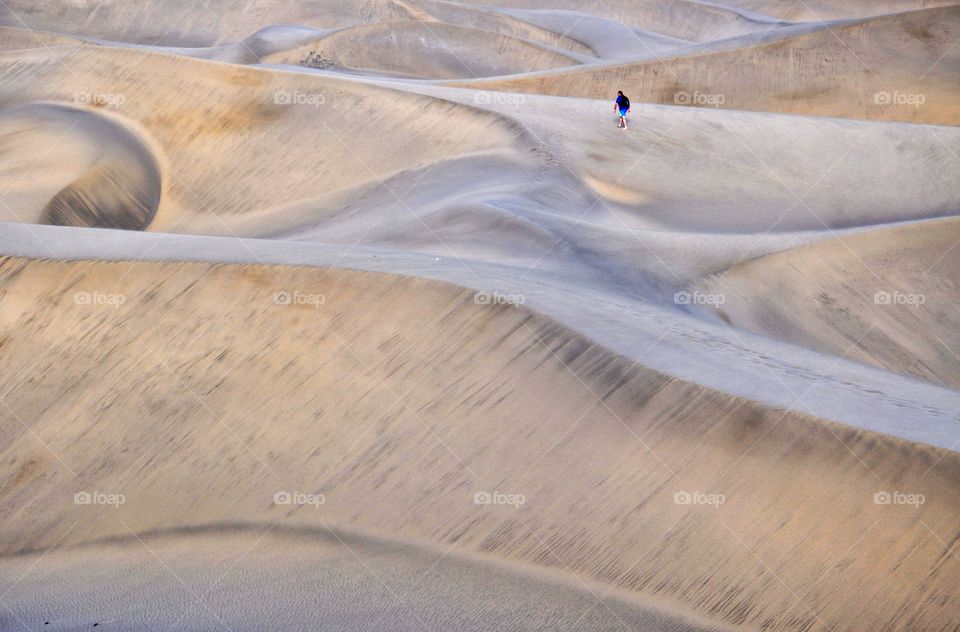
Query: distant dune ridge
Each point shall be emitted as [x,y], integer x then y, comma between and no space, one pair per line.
[900,67]
[365,315]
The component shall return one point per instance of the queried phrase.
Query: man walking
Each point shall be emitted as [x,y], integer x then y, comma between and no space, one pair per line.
[623,106]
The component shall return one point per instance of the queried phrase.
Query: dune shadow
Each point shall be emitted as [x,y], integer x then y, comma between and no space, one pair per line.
[119,181]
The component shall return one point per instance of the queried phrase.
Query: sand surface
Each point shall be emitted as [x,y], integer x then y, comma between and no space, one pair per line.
[302,579]
[365,315]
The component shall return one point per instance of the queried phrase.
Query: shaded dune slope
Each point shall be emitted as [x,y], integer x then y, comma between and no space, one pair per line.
[203,392]
[106,173]
[887,297]
[874,69]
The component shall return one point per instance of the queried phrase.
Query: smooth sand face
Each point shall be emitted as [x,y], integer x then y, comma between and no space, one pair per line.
[666,417]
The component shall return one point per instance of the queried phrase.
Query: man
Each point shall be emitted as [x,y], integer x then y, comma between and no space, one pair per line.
[623,106]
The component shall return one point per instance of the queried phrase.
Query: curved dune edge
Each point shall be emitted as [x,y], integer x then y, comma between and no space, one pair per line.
[876,69]
[116,182]
[200,391]
[886,297]
[343,579]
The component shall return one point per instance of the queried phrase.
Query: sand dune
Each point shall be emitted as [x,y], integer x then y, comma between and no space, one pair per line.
[494,20]
[332,569]
[682,19]
[346,315]
[753,171]
[174,23]
[115,181]
[235,115]
[180,23]
[668,337]
[899,67]
[607,39]
[438,51]
[816,10]
[887,297]
[408,381]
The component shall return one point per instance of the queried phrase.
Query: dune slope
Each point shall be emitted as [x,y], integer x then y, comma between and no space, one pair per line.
[307,579]
[434,51]
[200,391]
[886,297]
[104,171]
